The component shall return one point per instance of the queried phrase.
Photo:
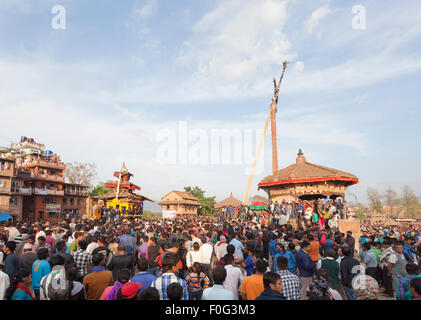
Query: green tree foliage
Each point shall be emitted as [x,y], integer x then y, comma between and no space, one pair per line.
[207,203]
[391,199]
[375,200]
[98,190]
[410,202]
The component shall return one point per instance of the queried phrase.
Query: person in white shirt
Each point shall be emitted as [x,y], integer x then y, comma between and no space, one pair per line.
[193,255]
[4,283]
[234,278]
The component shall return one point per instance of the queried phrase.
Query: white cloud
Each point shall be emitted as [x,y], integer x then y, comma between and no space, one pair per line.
[316,17]
[146,10]
[240,48]
[299,66]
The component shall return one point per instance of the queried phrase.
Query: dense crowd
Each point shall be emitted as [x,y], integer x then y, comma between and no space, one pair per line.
[209,258]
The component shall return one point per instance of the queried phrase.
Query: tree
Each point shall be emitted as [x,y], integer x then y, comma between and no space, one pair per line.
[360,211]
[257,198]
[375,200]
[207,203]
[81,173]
[391,199]
[410,202]
[98,190]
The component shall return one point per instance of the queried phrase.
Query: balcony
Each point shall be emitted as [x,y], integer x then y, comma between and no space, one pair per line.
[4,208]
[44,164]
[75,193]
[49,192]
[21,191]
[43,176]
[5,190]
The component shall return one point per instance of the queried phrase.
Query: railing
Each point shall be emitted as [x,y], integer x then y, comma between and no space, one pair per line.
[75,193]
[47,177]
[27,191]
[55,192]
[4,190]
[45,163]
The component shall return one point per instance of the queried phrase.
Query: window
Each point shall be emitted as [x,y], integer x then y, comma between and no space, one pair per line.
[41,215]
[52,215]
[71,201]
[78,202]
[14,201]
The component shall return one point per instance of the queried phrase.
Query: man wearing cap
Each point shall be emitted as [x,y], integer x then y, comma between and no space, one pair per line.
[130,290]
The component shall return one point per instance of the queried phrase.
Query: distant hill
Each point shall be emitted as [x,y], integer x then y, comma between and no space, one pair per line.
[152,206]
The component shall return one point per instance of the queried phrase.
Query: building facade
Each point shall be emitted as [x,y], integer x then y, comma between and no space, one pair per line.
[34,184]
[181,203]
[6,174]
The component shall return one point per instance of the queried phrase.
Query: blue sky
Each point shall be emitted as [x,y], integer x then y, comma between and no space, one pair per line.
[102,89]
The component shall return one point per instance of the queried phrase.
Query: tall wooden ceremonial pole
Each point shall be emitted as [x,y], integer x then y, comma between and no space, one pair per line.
[272,117]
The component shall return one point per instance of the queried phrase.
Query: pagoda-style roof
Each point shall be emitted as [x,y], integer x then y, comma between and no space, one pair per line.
[124,196]
[303,171]
[186,198]
[231,201]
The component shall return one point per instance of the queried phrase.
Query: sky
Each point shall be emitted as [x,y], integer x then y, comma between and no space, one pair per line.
[149,82]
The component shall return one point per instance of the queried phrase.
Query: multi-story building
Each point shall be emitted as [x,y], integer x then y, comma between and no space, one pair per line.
[74,200]
[6,174]
[38,189]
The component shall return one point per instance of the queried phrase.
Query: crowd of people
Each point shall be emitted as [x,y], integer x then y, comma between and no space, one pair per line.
[319,211]
[207,258]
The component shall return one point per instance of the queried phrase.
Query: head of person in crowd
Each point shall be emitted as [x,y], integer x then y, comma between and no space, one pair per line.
[257,255]
[42,253]
[272,281]
[129,291]
[142,264]
[305,245]
[149,294]
[23,277]
[98,260]
[174,291]
[219,274]
[196,246]
[399,247]
[170,263]
[346,251]
[83,244]
[261,266]
[412,269]
[9,247]
[366,246]
[415,288]
[282,263]
[27,247]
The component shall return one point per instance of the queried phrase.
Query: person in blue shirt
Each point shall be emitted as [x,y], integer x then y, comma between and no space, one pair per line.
[329,242]
[128,242]
[292,265]
[40,268]
[273,249]
[248,261]
[143,276]
[238,245]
